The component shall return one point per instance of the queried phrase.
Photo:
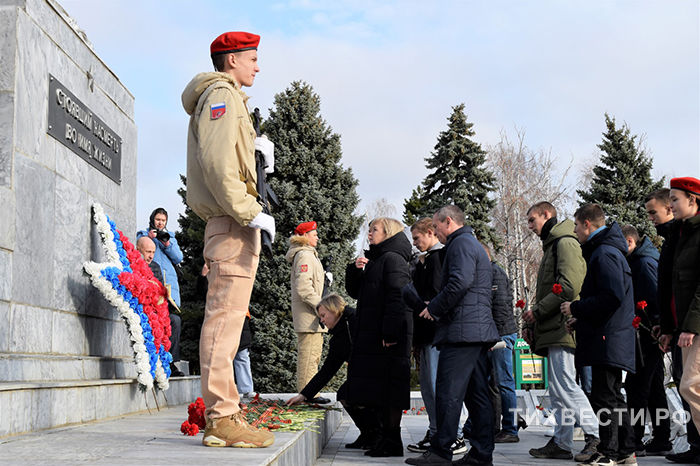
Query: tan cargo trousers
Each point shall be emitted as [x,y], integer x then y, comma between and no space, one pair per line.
[690,382]
[309,349]
[231,252]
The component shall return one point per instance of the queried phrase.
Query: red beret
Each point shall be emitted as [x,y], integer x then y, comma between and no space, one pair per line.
[305,227]
[236,41]
[688,183]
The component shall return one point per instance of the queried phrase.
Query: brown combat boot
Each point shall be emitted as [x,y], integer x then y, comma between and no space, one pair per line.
[234,431]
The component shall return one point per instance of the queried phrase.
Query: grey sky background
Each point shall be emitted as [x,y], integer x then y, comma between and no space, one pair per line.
[389,72]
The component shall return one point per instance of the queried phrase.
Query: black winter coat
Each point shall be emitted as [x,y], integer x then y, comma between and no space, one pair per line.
[462,309]
[379,376]
[643,262]
[339,349]
[427,278]
[604,331]
[502,301]
[679,278]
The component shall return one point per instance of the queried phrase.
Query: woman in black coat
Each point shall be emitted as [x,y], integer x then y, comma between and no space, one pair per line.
[379,369]
[341,321]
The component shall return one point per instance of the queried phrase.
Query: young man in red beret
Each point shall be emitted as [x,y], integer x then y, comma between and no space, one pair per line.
[221,189]
[307,290]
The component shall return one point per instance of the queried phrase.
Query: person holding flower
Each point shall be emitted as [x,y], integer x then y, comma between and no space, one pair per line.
[681,304]
[643,260]
[559,279]
[603,323]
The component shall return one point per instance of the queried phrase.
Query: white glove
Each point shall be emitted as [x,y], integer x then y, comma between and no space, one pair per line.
[267,148]
[329,277]
[265,222]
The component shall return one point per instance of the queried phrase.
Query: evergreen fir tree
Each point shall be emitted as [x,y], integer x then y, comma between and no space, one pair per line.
[192,284]
[457,176]
[622,179]
[311,184]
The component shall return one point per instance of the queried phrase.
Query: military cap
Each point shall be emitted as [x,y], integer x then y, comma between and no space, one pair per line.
[688,183]
[305,227]
[236,41]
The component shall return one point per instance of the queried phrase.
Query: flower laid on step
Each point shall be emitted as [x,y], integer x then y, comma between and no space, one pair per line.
[187,428]
[264,414]
[127,283]
[195,413]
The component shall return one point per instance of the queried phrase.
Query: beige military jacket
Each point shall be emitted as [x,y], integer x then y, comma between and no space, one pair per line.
[221,177]
[307,284]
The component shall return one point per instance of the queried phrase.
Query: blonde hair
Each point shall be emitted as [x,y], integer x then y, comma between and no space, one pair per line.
[391,226]
[423,226]
[334,303]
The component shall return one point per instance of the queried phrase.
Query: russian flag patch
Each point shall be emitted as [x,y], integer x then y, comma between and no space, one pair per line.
[218,110]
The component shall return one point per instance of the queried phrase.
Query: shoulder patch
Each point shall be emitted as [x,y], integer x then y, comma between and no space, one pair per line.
[218,110]
[303,268]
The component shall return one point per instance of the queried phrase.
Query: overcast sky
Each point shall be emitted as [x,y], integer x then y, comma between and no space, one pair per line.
[389,72]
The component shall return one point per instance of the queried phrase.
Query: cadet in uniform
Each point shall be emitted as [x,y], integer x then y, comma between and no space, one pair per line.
[221,189]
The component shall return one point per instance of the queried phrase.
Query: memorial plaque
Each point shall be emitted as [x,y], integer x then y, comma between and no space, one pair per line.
[80,130]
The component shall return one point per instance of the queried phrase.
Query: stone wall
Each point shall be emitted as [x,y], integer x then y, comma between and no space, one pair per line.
[53,325]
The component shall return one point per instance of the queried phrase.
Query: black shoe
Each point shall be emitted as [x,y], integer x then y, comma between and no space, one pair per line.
[469,459]
[459,446]
[365,441]
[175,372]
[503,437]
[386,448]
[691,456]
[551,451]
[422,446]
[600,460]
[590,449]
[429,459]
[654,448]
[319,400]
[521,422]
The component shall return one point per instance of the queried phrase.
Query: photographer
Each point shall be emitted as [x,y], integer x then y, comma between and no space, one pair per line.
[167,255]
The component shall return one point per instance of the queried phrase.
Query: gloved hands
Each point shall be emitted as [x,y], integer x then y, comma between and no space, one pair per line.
[329,277]
[265,222]
[267,148]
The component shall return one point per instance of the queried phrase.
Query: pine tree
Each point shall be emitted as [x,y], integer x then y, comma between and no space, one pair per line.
[622,179]
[311,184]
[457,176]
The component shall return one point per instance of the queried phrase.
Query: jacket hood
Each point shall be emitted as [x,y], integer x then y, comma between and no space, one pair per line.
[397,243]
[200,83]
[645,249]
[611,236]
[560,230]
[296,244]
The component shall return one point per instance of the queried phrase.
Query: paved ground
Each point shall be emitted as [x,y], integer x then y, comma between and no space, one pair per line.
[413,430]
[155,439]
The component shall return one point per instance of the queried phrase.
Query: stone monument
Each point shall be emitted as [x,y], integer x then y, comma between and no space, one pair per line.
[67,139]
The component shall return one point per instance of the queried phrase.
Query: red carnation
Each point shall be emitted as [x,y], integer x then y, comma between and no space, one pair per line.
[641,305]
[636,322]
[195,413]
[187,428]
[520,304]
[557,289]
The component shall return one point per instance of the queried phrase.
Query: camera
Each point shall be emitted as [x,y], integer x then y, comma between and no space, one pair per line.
[162,235]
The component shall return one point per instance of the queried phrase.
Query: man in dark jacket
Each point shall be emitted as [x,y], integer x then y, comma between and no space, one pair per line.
[562,267]
[643,260]
[464,332]
[603,322]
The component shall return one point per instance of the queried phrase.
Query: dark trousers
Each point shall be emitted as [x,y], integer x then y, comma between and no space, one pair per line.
[616,434]
[462,377]
[693,436]
[175,326]
[645,389]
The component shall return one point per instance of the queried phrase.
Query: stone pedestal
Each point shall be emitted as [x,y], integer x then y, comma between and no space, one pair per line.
[54,327]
